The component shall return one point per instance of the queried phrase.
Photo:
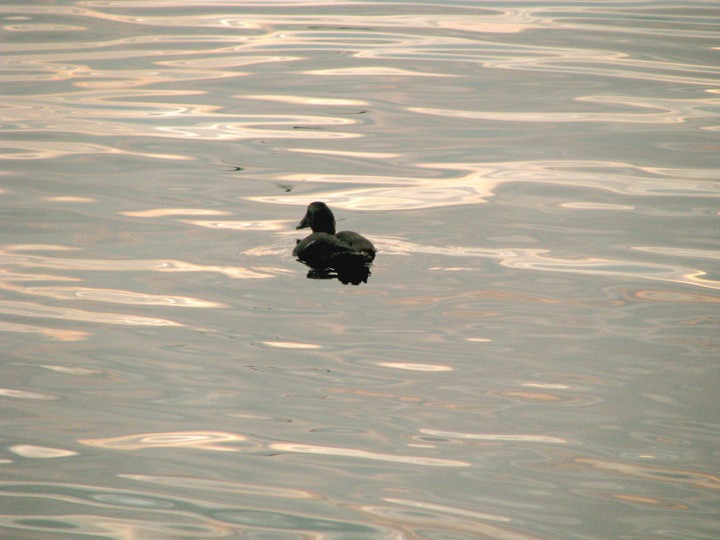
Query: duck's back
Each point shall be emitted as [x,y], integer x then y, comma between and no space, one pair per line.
[320,249]
[357,243]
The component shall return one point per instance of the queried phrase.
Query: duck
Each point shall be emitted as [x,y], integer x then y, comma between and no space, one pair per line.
[325,248]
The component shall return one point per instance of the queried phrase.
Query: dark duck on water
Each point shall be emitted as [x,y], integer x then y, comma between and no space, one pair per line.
[346,252]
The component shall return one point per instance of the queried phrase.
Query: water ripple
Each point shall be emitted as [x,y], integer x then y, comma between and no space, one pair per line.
[27,309]
[10,256]
[543,260]
[649,111]
[476,183]
[231,442]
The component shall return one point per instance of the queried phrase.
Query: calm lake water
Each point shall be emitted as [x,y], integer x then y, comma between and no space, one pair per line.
[535,355]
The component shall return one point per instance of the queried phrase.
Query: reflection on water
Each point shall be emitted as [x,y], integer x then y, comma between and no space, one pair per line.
[535,354]
[354,272]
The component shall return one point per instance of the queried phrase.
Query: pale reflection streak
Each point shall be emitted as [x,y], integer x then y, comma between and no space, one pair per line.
[374,71]
[256,225]
[63,199]
[75,370]
[447,509]
[114,296]
[198,440]
[52,333]
[18,149]
[345,153]
[264,225]
[164,212]
[495,437]
[295,345]
[297,448]
[409,366]
[40,452]
[255,129]
[37,27]
[305,100]
[586,205]
[24,394]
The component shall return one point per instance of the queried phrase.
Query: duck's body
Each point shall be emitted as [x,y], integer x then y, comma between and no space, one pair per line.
[321,250]
[324,248]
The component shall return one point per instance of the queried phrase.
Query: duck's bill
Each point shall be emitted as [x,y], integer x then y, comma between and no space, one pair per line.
[304,223]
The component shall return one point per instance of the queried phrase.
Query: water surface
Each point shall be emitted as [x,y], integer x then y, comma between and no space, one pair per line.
[533,357]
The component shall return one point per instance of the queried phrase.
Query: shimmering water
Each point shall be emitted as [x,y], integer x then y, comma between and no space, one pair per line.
[535,355]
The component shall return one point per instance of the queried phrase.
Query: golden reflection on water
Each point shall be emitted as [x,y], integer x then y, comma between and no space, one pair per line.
[52,333]
[647,501]
[306,100]
[409,366]
[264,225]
[495,437]
[346,153]
[198,440]
[24,394]
[421,505]
[164,212]
[295,345]
[40,452]
[364,454]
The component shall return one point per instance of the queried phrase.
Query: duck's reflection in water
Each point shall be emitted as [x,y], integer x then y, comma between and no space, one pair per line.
[348,272]
[345,255]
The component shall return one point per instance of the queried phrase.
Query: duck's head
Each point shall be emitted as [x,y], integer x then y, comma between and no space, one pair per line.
[319,218]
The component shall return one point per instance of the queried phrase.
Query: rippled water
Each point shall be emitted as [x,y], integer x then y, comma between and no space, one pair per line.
[534,356]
